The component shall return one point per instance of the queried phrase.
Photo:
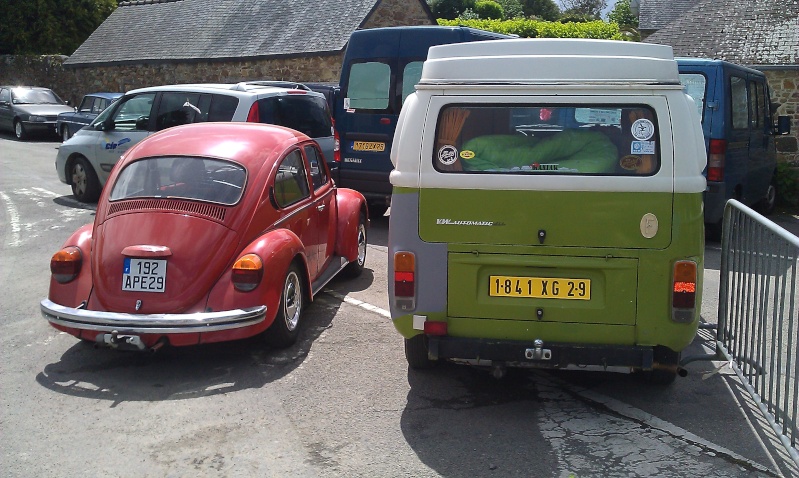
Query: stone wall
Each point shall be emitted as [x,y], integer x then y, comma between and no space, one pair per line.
[395,13]
[784,84]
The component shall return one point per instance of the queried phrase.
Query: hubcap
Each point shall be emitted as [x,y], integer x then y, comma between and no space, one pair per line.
[361,244]
[292,300]
[65,133]
[771,195]
[79,179]
[18,129]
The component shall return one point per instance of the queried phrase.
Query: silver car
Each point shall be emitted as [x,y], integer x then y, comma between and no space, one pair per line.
[25,109]
[85,160]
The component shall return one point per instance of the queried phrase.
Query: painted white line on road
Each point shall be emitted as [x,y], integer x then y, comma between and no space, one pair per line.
[13,215]
[359,303]
[612,404]
[47,192]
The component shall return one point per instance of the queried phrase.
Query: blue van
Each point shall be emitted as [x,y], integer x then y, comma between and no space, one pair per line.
[734,104]
[380,69]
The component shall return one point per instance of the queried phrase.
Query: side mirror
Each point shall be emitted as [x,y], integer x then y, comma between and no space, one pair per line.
[107,125]
[3,103]
[783,125]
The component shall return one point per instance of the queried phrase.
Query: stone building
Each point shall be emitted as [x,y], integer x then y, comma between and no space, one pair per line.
[155,42]
[761,34]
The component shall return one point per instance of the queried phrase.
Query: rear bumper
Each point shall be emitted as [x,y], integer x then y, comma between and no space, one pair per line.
[374,185]
[83,319]
[547,355]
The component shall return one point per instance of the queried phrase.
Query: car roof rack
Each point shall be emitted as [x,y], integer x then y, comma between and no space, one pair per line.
[291,85]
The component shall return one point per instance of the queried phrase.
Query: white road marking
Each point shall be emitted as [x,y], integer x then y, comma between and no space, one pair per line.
[555,431]
[13,215]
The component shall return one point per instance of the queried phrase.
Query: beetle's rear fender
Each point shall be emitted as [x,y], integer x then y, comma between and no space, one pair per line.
[350,204]
[74,292]
[277,249]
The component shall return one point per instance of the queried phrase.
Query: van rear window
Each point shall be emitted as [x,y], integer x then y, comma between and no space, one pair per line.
[547,139]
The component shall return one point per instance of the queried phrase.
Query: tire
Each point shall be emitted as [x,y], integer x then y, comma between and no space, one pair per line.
[768,204]
[355,268]
[416,353]
[19,130]
[85,185]
[65,134]
[284,330]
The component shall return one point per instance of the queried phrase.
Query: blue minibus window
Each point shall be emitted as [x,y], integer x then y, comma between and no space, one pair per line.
[369,87]
[695,86]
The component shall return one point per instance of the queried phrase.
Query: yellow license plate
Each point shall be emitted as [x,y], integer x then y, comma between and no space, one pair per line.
[539,287]
[368,146]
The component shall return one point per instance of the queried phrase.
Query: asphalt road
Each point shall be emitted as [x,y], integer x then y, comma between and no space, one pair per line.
[341,402]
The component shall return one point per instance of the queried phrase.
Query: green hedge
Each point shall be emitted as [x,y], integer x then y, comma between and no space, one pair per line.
[541,29]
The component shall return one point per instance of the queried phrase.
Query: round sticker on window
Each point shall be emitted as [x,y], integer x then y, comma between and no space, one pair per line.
[642,129]
[467,154]
[447,155]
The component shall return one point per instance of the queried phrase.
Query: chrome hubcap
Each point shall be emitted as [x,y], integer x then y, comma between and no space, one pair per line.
[292,300]
[79,179]
[18,129]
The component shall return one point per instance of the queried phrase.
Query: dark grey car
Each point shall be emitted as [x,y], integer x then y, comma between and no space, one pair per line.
[25,109]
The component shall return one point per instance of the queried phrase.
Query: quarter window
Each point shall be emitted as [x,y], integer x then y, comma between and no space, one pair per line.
[610,140]
[318,171]
[369,86]
[291,184]
[695,86]
[306,114]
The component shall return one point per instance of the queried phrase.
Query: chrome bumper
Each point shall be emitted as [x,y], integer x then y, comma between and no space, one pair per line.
[151,323]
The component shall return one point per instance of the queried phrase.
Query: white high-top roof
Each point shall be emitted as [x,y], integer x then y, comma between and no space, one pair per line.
[544,60]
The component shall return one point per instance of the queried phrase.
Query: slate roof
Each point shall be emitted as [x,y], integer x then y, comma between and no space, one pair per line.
[753,32]
[656,14]
[141,31]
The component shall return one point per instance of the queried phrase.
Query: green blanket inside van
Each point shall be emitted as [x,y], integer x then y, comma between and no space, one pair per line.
[571,151]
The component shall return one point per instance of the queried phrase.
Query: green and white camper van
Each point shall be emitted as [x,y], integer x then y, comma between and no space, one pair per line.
[547,207]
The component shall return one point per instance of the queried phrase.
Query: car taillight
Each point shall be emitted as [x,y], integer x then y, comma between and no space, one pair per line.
[435,328]
[715,159]
[254,116]
[405,280]
[683,296]
[247,272]
[296,92]
[65,264]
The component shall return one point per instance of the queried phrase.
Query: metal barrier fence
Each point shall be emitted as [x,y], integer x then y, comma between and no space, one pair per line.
[758,323]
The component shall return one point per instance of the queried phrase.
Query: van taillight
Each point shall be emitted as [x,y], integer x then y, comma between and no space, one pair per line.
[683,296]
[715,159]
[336,145]
[65,264]
[254,116]
[405,280]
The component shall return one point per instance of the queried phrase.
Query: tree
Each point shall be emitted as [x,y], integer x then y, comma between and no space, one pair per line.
[591,8]
[450,9]
[543,9]
[42,27]
[488,9]
[512,8]
[622,14]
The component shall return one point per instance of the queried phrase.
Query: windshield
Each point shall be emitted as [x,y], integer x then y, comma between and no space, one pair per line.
[39,96]
[200,179]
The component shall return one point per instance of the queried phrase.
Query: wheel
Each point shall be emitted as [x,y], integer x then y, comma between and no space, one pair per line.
[767,205]
[19,130]
[416,353]
[284,330]
[65,135]
[377,210]
[85,185]
[355,268]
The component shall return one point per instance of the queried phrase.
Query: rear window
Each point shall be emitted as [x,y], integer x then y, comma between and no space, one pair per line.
[201,179]
[304,113]
[547,139]
[369,86]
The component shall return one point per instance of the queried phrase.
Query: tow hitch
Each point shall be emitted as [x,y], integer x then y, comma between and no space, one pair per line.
[122,342]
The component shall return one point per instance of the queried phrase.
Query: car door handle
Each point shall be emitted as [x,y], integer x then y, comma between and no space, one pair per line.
[320,207]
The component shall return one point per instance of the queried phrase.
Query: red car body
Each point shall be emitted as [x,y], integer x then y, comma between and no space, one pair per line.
[200,243]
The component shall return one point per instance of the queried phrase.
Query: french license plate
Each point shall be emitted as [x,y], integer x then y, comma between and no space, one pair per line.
[539,287]
[372,146]
[144,275]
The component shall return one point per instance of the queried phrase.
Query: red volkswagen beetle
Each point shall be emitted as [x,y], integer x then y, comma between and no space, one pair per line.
[206,233]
